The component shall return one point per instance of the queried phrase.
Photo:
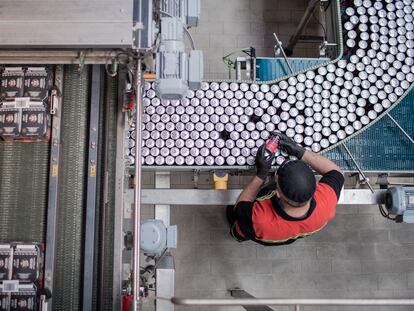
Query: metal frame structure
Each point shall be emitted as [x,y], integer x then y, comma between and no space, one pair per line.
[119,196]
[76,24]
[302,24]
[53,186]
[228,197]
[291,302]
[91,200]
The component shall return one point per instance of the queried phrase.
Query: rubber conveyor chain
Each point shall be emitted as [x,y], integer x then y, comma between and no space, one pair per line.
[345,84]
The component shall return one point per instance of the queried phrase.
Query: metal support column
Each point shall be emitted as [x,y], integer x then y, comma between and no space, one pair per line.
[165,279]
[303,22]
[162,211]
[239,293]
[52,207]
[136,304]
[89,250]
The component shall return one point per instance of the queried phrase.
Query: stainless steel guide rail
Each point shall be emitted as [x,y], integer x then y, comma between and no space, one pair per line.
[229,197]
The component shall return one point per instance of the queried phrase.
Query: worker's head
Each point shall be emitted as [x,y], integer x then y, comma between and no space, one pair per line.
[296,183]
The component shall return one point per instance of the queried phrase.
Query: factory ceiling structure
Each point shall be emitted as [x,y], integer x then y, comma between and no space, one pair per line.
[99,93]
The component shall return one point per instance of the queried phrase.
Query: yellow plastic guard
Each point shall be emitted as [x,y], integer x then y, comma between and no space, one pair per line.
[220,181]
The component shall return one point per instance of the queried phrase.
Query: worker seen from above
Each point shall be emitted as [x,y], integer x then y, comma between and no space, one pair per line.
[293,205]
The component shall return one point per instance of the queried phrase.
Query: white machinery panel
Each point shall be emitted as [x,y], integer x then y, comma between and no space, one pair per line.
[66,23]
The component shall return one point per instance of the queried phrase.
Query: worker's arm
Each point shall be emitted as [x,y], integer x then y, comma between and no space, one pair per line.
[250,192]
[263,166]
[317,162]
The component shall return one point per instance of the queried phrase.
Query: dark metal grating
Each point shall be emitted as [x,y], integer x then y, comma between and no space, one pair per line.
[382,147]
[108,224]
[23,191]
[69,252]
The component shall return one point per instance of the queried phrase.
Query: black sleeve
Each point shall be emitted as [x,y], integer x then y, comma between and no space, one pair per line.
[335,180]
[243,215]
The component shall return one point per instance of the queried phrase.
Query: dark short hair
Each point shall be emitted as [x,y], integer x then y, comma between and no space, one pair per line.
[293,203]
[296,182]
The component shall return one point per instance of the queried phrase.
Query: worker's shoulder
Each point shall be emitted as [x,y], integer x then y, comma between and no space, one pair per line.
[332,180]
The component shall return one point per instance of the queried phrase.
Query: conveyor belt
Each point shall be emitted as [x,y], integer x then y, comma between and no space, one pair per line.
[68,274]
[106,279]
[23,191]
[321,109]
[382,147]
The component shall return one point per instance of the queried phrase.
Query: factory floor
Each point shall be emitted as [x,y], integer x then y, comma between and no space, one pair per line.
[359,254]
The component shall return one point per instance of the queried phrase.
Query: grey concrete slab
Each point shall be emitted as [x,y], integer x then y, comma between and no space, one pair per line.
[242,23]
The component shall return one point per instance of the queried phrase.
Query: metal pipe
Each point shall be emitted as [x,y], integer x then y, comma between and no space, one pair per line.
[358,168]
[137,188]
[399,126]
[55,57]
[290,302]
[278,43]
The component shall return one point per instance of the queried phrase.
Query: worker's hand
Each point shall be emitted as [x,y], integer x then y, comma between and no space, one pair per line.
[288,145]
[263,164]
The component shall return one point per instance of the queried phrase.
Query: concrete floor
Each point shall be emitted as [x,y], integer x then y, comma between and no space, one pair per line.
[230,25]
[359,254]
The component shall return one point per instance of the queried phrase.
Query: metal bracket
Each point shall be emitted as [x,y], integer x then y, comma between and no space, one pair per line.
[382,181]
[196,176]
[323,48]
[165,279]
[162,211]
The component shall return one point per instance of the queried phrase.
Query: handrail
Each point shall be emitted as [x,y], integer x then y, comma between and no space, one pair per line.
[290,302]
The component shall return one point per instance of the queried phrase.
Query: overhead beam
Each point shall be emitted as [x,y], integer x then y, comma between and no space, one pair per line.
[229,197]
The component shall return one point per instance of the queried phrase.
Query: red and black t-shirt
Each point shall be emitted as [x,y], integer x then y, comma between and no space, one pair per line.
[265,221]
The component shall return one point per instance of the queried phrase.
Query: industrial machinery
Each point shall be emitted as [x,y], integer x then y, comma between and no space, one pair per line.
[79,123]
[399,201]
[177,70]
